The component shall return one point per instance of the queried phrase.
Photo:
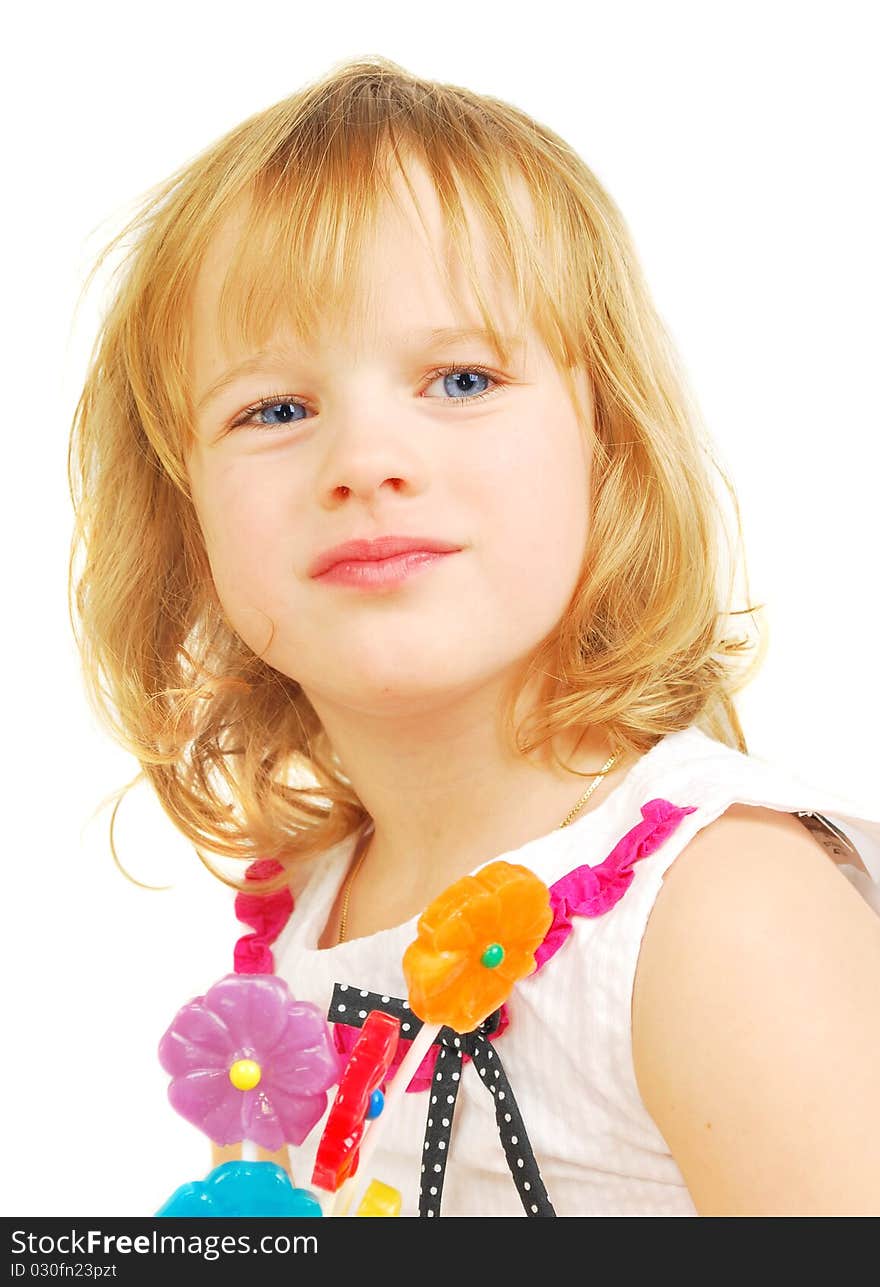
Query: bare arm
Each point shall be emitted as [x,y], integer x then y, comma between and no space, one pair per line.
[756,1023]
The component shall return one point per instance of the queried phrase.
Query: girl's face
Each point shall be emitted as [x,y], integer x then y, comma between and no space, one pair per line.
[363,437]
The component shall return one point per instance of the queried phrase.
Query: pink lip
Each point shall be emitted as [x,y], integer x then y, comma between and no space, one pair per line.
[370,554]
[375,574]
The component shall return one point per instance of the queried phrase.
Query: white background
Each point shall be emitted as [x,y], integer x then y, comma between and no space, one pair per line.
[740,143]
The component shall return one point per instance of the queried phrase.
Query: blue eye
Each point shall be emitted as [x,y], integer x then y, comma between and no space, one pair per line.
[287,406]
[453,377]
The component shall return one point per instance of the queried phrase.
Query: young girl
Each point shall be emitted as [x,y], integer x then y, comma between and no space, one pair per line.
[403,554]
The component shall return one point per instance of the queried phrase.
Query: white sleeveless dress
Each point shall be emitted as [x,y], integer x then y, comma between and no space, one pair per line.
[568,1048]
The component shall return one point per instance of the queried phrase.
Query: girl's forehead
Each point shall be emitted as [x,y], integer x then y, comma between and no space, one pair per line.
[405,266]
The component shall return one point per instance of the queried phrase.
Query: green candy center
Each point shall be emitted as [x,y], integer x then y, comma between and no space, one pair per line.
[493,956]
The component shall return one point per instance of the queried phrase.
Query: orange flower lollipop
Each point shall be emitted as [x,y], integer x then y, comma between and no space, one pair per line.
[473,943]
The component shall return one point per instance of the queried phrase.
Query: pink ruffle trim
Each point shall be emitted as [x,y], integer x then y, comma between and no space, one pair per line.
[267,914]
[590,891]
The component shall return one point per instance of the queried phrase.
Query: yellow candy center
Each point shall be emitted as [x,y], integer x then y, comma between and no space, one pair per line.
[245,1074]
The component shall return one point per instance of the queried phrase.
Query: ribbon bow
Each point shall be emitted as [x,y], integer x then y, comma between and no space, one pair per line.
[444,1093]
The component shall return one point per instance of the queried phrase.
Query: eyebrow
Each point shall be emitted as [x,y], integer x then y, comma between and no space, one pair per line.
[425,340]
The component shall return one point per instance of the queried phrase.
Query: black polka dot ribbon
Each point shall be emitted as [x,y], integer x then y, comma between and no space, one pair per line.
[352,1005]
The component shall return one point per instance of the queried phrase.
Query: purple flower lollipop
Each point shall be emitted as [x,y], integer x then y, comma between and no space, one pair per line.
[248,1062]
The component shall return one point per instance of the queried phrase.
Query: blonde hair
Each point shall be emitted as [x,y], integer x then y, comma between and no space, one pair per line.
[233,748]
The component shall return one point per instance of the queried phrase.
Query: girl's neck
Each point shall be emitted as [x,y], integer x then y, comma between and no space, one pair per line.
[391,888]
[445,794]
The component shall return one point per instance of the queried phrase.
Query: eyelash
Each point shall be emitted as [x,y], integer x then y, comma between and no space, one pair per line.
[275,400]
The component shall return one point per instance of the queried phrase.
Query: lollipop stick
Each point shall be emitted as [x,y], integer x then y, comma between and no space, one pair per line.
[248,1151]
[420,1046]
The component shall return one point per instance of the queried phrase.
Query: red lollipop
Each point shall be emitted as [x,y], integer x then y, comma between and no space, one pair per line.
[367,1068]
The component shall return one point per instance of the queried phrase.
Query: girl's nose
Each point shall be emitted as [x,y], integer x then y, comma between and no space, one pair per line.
[365,453]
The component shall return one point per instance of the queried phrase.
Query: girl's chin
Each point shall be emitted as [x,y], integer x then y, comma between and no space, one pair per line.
[393,695]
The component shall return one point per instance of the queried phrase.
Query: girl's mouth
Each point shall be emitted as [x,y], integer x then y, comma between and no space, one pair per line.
[378,574]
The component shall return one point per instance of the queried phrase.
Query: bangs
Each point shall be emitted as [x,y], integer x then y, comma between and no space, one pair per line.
[519,231]
[309,216]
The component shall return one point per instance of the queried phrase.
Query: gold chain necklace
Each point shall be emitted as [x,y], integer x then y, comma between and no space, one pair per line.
[352,875]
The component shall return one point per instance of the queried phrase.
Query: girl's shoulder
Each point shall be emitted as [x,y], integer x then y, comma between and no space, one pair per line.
[694,798]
